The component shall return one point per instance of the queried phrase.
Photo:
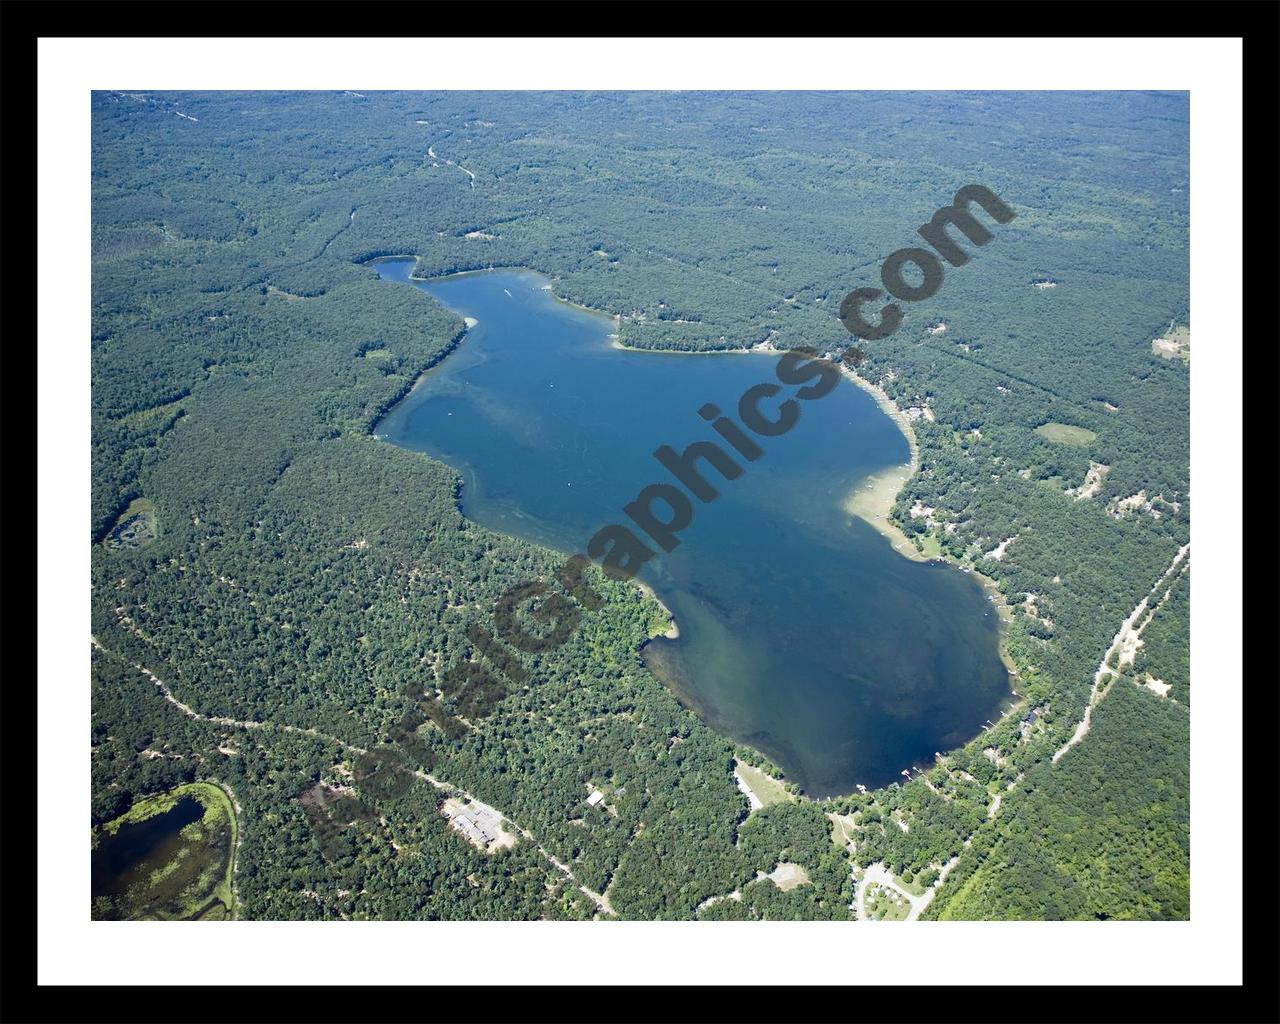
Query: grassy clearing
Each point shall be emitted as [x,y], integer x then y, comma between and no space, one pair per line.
[842,830]
[930,546]
[914,887]
[769,790]
[287,296]
[1063,433]
[136,527]
[144,418]
[883,904]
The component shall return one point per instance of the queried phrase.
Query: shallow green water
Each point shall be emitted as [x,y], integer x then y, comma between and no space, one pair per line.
[150,869]
[801,631]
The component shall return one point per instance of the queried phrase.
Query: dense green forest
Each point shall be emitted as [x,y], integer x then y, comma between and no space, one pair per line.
[302,588]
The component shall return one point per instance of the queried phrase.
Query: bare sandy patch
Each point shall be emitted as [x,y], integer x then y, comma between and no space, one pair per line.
[872,499]
[478,823]
[1157,686]
[1175,343]
[786,876]
[287,296]
[1120,507]
[747,791]
[1092,482]
[997,553]
[736,896]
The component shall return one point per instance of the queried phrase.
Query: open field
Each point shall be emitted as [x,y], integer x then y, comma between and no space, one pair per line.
[1174,344]
[1062,433]
[767,789]
[136,527]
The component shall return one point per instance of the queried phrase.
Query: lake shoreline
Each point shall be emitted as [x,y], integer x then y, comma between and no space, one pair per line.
[673,632]
[872,499]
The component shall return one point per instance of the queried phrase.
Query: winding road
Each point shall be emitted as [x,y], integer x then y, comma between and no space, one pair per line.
[1129,631]
[878,874]
[445,787]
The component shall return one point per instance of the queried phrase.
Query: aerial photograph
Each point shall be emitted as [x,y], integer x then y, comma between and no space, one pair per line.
[597,506]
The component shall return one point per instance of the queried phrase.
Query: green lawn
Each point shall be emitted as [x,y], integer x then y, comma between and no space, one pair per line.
[914,887]
[885,907]
[930,546]
[769,790]
[1062,433]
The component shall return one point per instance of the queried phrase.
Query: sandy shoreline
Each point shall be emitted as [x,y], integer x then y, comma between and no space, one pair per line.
[871,500]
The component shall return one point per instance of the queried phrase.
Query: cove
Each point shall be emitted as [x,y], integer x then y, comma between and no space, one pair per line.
[802,632]
[169,857]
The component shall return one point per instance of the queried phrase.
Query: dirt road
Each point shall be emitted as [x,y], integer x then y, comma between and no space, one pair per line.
[444,787]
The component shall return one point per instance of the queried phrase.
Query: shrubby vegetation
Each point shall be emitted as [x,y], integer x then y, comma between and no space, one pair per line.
[1166,650]
[303,573]
[1099,835]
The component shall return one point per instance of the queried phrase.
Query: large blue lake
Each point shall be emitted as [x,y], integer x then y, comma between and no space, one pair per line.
[802,632]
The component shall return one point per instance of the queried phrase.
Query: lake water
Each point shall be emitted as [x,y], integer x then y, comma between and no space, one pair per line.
[802,632]
[172,865]
[125,860]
